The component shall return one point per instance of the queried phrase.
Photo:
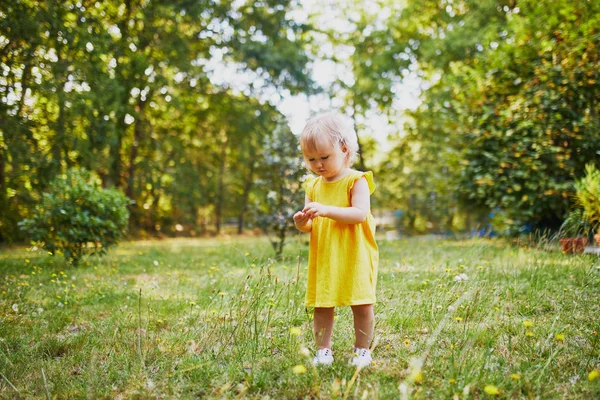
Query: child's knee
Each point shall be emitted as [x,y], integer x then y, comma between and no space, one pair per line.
[363,310]
[323,311]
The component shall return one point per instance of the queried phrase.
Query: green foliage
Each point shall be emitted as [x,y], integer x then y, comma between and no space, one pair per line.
[529,114]
[125,90]
[588,194]
[510,111]
[527,125]
[575,225]
[77,217]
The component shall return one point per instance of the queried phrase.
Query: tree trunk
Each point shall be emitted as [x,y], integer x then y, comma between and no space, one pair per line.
[246,195]
[25,82]
[58,146]
[138,132]
[3,190]
[282,233]
[221,184]
[116,164]
[361,159]
[114,174]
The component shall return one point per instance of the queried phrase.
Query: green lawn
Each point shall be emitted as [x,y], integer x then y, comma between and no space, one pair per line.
[212,318]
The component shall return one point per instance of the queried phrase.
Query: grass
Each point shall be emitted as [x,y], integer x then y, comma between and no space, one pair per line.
[212,318]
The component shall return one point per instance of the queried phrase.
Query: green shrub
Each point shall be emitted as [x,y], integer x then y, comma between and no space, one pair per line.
[574,225]
[588,193]
[78,217]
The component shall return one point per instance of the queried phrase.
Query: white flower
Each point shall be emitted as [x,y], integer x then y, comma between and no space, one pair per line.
[15,308]
[304,352]
[156,263]
[461,277]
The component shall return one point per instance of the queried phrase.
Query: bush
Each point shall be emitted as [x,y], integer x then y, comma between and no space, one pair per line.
[588,194]
[78,217]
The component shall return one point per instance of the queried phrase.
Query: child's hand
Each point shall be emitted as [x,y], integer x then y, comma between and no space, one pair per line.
[314,209]
[302,221]
[300,218]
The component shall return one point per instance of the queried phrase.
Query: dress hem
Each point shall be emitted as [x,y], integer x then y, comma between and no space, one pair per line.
[350,303]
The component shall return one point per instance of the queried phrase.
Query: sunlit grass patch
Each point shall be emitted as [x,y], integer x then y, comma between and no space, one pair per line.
[222,319]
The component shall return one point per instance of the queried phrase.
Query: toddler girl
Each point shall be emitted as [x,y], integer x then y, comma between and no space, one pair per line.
[343,255]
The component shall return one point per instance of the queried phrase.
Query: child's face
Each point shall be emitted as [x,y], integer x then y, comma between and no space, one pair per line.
[326,160]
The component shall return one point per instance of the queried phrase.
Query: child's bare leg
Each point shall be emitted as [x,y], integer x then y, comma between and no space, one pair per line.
[323,327]
[364,323]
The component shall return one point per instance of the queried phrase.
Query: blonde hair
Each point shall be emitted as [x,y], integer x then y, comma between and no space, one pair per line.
[337,129]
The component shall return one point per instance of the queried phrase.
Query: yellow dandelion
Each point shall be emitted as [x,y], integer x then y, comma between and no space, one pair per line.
[452,381]
[295,331]
[593,375]
[458,319]
[416,377]
[222,294]
[560,337]
[527,323]
[299,369]
[406,342]
[529,334]
[491,390]
[515,377]
[336,387]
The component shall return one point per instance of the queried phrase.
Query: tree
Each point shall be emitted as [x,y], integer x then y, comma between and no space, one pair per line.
[509,106]
[121,89]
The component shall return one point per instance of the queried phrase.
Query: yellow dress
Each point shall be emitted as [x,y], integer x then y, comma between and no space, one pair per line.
[343,258]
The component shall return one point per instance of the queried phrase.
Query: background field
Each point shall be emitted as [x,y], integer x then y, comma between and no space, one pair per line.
[213,318]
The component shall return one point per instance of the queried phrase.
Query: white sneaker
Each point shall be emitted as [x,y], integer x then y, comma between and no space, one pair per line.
[323,357]
[361,358]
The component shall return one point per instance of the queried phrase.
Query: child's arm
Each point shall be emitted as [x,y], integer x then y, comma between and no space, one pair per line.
[301,220]
[355,214]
